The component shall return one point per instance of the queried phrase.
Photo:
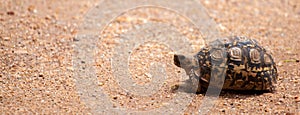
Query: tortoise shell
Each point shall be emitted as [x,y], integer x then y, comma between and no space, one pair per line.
[246,64]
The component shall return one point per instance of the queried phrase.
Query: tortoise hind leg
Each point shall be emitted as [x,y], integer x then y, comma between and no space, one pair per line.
[201,90]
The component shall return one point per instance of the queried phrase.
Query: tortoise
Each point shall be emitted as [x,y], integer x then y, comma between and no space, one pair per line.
[245,64]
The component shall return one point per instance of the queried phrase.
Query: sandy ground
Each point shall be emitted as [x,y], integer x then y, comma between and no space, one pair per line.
[37,40]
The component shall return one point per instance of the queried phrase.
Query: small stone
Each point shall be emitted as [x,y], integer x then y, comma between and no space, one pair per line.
[295,81]
[70,68]
[41,75]
[6,38]
[222,110]
[10,13]
[32,9]
[21,52]
[101,84]
[281,100]
[148,75]
[277,103]
[288,113]
[168,96]
[223,28]
[279,64]
[297,99]
[75,39]
[266,110]
[236,96]
[48,17]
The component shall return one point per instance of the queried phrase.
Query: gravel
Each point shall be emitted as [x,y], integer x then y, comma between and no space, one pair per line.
[37,47]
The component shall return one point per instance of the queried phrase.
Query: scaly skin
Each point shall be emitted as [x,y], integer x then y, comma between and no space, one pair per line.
[248,66]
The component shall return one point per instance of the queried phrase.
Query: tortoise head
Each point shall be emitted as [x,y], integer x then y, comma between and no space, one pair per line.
[187,63]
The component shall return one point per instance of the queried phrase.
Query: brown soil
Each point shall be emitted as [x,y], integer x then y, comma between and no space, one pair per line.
[36,49]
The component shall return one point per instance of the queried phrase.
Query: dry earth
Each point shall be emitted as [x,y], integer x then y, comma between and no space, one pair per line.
[36,49]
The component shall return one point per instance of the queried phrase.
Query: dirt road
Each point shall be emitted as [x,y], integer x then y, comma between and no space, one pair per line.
[37,44]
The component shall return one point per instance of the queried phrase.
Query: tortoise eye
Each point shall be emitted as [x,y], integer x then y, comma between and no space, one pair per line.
[254,55]
[235,53]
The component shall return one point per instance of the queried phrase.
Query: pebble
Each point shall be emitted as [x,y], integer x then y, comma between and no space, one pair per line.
[101,84]
[115,97]
[148,75]
[70,68]
[281,100]
[223,28]
[297,99]
[6,38]
[236,96]
[32,9]
[279,64]
[10,13]
[168,96]
[21,52]
[222,110]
